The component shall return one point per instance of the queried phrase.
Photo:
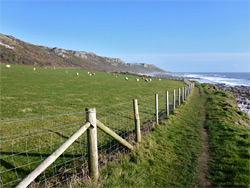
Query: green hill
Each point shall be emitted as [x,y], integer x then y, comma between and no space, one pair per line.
[15,51]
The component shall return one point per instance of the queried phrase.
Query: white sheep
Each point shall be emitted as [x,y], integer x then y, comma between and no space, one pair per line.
[126,78]
[66,71]
[93,74]
[7,66]
[146,80]
[90,74]
[159,79]
[34,69]
[150,80]
[137,79]
[77,74]
[143,78]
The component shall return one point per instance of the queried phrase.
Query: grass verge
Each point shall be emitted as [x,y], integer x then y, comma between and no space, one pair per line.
[229,139]
[168,157]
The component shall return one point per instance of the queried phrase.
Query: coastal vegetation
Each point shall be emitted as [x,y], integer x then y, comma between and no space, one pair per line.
[169,156]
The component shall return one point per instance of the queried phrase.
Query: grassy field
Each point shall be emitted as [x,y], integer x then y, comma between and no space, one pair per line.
[27,93]
[45,93]
[168,157]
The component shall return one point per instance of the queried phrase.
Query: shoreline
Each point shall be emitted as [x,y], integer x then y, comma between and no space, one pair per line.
[242,94]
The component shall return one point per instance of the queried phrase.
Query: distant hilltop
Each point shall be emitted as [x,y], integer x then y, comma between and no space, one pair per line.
[15,51]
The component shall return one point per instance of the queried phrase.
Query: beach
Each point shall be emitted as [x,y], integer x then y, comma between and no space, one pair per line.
[242,94]
[236,83]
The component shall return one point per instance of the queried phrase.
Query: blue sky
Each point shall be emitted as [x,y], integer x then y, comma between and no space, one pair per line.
[178,36]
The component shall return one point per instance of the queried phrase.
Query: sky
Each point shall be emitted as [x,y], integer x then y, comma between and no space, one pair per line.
[177,36]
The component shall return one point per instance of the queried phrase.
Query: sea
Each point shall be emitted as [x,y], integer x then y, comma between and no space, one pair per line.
[227,78]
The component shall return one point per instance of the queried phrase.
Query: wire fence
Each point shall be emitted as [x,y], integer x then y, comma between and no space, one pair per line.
[25,143]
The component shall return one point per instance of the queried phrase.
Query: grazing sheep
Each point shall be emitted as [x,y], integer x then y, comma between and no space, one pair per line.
[34,69]
[150,80]
[66,71]
[159,79]
[126,78]
[116,76]
[93,74]
[77,74]
[7,66]
[90,74]
[143,78]
[137,79]
[146,80]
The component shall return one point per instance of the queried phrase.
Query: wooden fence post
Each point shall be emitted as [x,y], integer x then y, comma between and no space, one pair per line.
[185,91]
[137,121]
[92,144]
[182,94]
[179,96]
[167,104]
[174,98]
[156,109]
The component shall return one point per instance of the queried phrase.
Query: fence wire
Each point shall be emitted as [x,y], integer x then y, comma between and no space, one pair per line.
[25,143]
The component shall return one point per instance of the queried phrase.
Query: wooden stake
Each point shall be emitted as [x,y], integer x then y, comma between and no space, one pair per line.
[113,134]
[167,103]
[156,109]
[174,98]
[137,121]
[92,144]
[49,160]
[179,96]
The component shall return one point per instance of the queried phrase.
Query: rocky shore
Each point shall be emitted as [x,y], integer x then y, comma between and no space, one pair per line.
[242,94]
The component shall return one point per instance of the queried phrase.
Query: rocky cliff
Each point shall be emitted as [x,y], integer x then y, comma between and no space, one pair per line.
[15,51]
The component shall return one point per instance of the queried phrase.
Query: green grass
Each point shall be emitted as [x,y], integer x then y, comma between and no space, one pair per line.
[229,140]
[167,157]
[26,93]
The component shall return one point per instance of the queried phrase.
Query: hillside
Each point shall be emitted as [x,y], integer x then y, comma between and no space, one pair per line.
[15,51]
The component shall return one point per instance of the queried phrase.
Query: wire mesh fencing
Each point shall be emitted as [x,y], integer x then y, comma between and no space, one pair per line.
[26,142]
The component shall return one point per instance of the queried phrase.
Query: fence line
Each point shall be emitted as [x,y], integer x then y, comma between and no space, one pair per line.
[22,153]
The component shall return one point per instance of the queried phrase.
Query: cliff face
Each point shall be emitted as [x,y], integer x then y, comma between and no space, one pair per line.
[15,51]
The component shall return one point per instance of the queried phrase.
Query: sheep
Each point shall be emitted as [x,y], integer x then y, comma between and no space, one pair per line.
[66,71]
[143,78]
[90,74]
[159,79]
[126,78]
[150,80]
[146,80]
[77,74]
[34,69]
[137,79]
[7,66]
[93,74]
